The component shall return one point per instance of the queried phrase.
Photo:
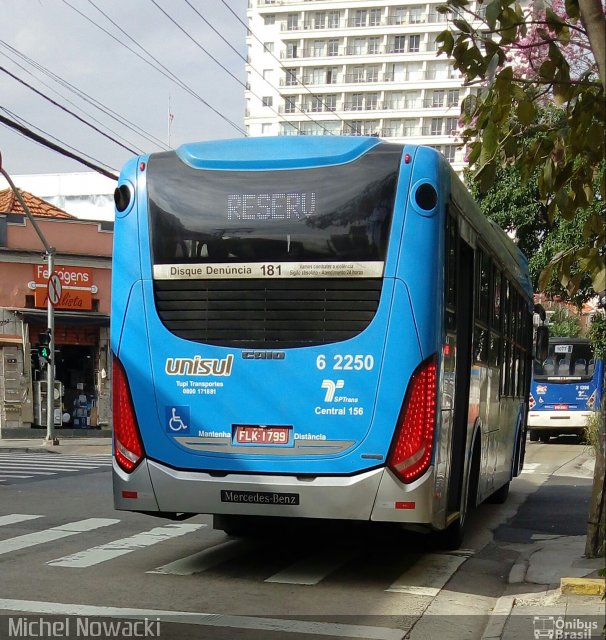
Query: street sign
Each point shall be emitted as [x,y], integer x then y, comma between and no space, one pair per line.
[54,289]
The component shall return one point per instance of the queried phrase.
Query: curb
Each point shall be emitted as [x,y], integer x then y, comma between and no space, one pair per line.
[498,618]
[583,586]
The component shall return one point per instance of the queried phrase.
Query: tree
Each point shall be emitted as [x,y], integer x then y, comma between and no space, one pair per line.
[564,324]
[516,207]
[520,60]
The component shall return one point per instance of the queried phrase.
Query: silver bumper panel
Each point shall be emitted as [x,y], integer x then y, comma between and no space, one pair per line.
[373,495]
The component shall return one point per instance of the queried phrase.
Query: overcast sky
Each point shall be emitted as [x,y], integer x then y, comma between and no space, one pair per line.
[52,34]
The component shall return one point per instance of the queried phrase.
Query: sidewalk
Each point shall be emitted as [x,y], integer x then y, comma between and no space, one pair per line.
[549,586]
[91,445]
[538,599]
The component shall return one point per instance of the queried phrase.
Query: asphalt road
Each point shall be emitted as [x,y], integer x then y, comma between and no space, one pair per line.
[68,558]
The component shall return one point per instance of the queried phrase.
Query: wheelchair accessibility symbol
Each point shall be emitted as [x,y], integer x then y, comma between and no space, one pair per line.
[177,420]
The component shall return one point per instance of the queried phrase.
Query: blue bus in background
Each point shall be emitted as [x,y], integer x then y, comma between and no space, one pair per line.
[566,389]
[314,327]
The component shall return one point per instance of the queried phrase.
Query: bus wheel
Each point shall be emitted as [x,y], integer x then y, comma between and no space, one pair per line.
[500,495]
[451,538]
[534,436]
[544,437]
[237,526]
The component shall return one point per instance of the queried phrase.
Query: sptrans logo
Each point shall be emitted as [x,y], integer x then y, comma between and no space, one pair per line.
[199,366]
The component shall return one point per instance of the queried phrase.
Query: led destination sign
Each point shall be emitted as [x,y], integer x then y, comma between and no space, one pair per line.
[271,206]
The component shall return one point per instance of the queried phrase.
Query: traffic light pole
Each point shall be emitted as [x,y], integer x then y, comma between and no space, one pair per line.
[50,258]
[50,367]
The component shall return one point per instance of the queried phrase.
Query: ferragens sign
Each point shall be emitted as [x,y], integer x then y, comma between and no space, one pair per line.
[76,285]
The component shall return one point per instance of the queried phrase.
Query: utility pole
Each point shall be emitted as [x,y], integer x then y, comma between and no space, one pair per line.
[50,369]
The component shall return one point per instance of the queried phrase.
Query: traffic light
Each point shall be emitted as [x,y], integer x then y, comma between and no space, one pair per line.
[44,350]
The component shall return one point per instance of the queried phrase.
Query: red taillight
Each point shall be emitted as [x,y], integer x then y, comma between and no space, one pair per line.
[411,450]
[128,449]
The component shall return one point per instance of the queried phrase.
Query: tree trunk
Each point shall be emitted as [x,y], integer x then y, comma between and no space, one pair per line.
[596,529]
[594,21]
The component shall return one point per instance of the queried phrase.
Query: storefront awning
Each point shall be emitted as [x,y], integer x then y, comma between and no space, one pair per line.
[64,317]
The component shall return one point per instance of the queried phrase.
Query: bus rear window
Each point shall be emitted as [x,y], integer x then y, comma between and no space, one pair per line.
[566,360]
[330,214]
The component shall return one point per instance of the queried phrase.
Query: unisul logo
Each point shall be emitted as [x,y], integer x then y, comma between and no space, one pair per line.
[199,366]
[560,628]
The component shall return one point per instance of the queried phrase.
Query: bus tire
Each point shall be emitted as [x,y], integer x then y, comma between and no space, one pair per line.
[236,526]
[534,436]
[451,538]
[544,437]
[500,495]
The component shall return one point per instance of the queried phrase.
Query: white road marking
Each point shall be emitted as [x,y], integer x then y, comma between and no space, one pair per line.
[13,518]
[116,548]
[40,469]
[428,575]
[54,533]
[203,560]
[310,570]
[277,625]
[18,477]
[530,467]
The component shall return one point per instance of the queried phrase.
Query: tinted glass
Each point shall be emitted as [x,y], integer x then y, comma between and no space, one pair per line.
[329,214]
[566,360]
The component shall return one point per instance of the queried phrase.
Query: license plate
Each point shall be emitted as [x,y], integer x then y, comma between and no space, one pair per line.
[261,434]
[259,497]
[561,407]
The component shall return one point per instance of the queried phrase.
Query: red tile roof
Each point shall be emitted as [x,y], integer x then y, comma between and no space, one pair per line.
[37,206]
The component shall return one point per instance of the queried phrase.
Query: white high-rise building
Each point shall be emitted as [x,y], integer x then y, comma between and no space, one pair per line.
[352,67]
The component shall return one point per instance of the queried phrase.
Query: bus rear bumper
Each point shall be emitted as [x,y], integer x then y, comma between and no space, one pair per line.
[372,495]
[561,421]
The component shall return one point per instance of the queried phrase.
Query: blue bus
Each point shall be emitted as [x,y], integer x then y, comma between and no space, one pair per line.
[314,327]
[566,389]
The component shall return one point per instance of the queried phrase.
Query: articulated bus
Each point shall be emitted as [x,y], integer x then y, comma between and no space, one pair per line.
[566,389]
[314,327]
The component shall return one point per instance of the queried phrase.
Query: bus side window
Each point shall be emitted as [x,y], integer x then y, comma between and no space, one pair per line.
[450,276]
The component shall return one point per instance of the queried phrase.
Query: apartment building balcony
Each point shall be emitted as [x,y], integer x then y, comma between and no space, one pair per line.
[356,51]
[353,78]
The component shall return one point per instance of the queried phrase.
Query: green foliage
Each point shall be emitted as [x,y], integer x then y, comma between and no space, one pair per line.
[597,335]
[564,324]
[516,206]
[565,157]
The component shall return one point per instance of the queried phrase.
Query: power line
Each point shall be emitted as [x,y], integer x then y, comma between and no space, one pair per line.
[222,66]
[71,113]
[248,30]
[136,129]
[160,68]
[28,133]
[254,69]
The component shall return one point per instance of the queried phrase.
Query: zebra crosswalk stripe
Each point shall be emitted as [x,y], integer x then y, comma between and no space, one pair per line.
[203,560]
[428,575]
[310,570]
[116,548]
[54,533]
[19,466]
[14,518]
[12,477]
